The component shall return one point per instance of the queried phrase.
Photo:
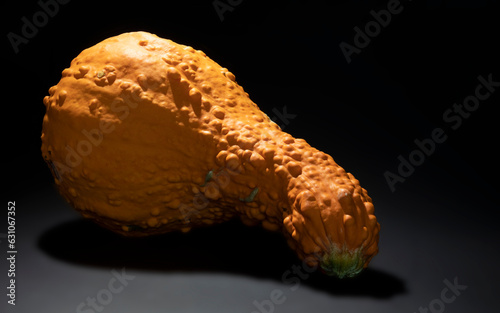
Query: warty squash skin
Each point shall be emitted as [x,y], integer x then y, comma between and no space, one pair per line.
[146,136]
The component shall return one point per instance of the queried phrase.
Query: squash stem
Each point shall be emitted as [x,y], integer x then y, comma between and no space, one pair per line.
[342,262]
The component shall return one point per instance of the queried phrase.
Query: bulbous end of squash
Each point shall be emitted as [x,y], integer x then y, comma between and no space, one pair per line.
[343,263]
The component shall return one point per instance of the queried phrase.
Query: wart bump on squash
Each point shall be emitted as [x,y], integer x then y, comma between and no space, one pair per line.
[194,117]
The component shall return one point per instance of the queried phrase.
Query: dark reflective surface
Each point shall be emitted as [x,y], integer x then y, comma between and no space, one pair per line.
[227,248]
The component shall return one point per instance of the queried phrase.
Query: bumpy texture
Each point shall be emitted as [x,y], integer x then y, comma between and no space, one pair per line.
[146,136]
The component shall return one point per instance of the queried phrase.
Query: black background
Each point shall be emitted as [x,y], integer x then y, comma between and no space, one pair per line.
[286,53]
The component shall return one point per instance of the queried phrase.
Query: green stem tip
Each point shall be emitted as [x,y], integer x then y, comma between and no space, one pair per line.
[342,262]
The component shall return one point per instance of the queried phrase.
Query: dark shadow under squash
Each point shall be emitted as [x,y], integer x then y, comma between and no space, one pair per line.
[228,248]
